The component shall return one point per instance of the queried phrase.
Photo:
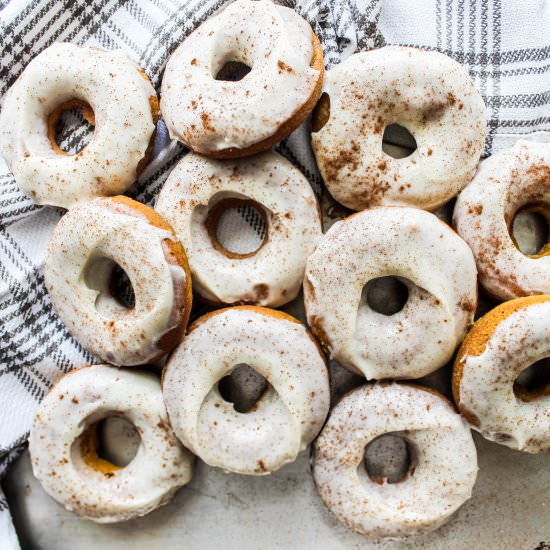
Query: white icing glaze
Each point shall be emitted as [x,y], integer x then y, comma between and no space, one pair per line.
[273,275]
[485,210]
[487,383]
[284,421]
[435,264]
[210,115]
[442,480]
[77,276]
[81,399]
[426,92]
[119,96]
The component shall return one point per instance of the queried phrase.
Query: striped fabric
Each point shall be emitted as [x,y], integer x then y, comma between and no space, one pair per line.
[505,44]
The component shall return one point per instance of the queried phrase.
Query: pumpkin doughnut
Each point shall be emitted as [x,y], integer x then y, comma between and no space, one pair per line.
[199,190]
[222,118]
[499,347]
[283,422]
[442,473]
[428,257]
[87,244]
[112,92]
[63,445]
[508,182]
[426,92]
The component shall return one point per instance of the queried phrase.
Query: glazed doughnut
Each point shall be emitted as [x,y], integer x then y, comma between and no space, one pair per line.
[87,244]
[423,253]
[199,190]
[283,422]
[426,92]
[63,445]
[507,182]
[442,473]
[112,92]
[499,347]
[222,118]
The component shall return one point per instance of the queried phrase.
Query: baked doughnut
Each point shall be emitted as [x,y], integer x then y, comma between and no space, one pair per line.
[85,248]
[506,183]
[426,92]
[502,344]
[112,92]
[223,118]
[63,445]
[442,472]
[197,193]
[288,415]
[426,255]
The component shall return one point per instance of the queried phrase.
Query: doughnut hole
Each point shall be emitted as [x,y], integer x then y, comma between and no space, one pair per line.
[237,227]
[398,142]
[321,113]
[389,458]
[534,381]
[121,288]
[106,445]
[530,231]
[232,71]
[244,387]
[71,127]
[385,295]
[115,291]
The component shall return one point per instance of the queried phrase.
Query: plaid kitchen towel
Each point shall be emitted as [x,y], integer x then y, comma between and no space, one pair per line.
[505,44]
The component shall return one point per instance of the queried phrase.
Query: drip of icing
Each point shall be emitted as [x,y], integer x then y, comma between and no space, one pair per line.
[403,242]
[98,230]
[286,418]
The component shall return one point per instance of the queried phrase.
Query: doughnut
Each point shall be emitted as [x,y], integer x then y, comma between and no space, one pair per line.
[427,256]
[197,193]
[502,344]
[430,95]
[288,415]
[236,118]
[513,180]
[63,445]
[85,248]
[442,472]
[112,92]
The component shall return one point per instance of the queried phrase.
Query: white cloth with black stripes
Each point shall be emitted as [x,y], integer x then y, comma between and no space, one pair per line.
[505,44]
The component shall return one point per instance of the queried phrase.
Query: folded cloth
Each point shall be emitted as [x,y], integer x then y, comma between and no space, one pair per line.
[505,44]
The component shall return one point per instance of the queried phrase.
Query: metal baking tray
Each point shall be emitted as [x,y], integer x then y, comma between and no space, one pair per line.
[509,510]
